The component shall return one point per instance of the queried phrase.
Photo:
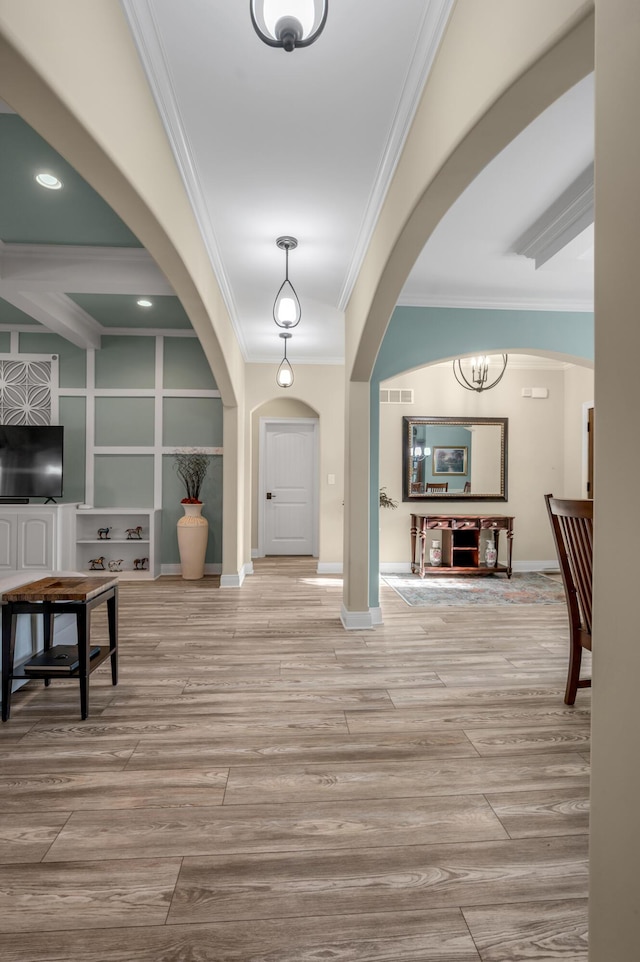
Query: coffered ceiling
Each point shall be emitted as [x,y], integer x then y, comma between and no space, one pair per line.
[270,143]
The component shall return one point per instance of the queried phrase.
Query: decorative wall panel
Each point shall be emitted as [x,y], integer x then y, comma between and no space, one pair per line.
[28,389]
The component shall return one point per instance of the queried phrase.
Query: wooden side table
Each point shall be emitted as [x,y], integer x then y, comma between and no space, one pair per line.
[48,597]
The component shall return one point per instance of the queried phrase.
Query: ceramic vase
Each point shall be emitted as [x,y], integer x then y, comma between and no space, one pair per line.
[193,534]
[491,555]
[435,554]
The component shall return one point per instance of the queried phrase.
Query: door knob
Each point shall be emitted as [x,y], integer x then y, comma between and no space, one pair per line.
[270,496]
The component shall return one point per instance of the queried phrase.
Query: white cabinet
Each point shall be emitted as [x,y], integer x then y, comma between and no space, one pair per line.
[35,537]
[122,541]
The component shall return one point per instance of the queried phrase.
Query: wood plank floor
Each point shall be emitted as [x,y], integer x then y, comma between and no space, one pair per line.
[263,786]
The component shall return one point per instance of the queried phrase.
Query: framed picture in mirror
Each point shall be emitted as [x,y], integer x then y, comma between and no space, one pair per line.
[470,453]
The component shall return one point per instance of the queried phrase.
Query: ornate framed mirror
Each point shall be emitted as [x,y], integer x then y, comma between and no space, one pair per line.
[454,459]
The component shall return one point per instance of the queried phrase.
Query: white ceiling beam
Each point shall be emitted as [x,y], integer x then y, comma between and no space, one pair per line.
[59,314]
[80,270]
[567,217]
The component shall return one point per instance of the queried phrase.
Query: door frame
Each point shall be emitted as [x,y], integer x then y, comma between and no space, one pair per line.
[262,481]
[587,449]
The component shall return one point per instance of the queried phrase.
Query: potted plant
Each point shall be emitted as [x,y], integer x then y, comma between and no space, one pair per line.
[191,466]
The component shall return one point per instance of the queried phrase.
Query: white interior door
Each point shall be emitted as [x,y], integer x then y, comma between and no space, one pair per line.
[288,487]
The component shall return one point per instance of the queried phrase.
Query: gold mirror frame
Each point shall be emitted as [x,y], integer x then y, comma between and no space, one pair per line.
[451,461]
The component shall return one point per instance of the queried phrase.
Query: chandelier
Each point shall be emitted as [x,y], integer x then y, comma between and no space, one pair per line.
[477,376]
[284,375]
[286,307]
[288,24]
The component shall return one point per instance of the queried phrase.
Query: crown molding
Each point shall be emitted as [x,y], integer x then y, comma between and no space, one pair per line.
[567,217]
[499,303]
[434,21]
[146,36]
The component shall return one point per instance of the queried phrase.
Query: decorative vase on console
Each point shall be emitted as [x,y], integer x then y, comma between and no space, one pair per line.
[490,555]
[193,530]
[435,554]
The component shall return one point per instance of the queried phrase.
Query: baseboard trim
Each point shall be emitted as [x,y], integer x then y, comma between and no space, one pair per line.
[357,620]
[329,568]
[209,569]
[236,580]
[395,567]
[537,565]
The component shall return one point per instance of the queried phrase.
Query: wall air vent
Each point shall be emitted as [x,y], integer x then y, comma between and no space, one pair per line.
[396,396]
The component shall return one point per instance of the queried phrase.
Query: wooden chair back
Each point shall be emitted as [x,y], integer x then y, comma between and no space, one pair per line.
[438,486]
[572,526]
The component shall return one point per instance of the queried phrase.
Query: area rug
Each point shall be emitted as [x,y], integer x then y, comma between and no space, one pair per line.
[524,588]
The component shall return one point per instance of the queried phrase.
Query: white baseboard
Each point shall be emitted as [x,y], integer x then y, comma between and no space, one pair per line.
[255,553]
[395,567]
[210,569]
[376,616]
[537,565]
[357,620]
[329,568]
[236,580]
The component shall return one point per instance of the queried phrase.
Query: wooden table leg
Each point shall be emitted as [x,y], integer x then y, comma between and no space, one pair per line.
[83,622]
[112,617]
[8,650]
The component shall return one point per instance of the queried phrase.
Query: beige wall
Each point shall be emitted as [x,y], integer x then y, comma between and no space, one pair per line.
[578,393]
[537,459]
[319,388]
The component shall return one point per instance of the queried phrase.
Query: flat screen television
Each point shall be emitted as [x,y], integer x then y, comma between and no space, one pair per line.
[30,461]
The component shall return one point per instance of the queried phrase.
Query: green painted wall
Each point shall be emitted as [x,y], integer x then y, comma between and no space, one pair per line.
[72,364]
[124,421]
[192,422]
[185,365]
[72,413]
[126,362]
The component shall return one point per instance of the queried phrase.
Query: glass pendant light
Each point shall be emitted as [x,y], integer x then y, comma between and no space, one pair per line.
[286,309]
[288,23]
[284,377]
[478,376]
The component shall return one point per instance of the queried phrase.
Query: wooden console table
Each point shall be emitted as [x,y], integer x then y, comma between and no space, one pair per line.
[460,543]
[49,597]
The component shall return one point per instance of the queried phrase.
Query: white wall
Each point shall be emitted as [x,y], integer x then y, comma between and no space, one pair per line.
[540,457]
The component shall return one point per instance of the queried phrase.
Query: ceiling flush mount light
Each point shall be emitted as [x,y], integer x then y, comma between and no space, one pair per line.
[286,308]
[144,302]
[48,181]
[288,23]
[284,377]
[477,377]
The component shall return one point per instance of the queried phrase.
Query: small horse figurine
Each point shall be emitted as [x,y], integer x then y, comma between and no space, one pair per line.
[103,534]
[141,564]
[134,534]
[116,565]
[96,564]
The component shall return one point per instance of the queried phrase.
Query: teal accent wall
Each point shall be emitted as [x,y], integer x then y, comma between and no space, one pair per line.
[124,421]
[72,363]
[192,422]
[72,414]
[9,314]
[211,496]
[417,336]
[33,215]
[123,481]
[126,362]
[185,365]
[122,310]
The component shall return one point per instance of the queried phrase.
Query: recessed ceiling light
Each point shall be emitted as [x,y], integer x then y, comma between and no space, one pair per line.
[143,302]
[49,181]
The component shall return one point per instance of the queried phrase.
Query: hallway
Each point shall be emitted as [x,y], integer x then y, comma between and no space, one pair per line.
[263,785]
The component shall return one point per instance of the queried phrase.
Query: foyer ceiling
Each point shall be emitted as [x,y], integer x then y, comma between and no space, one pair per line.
[271,143]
